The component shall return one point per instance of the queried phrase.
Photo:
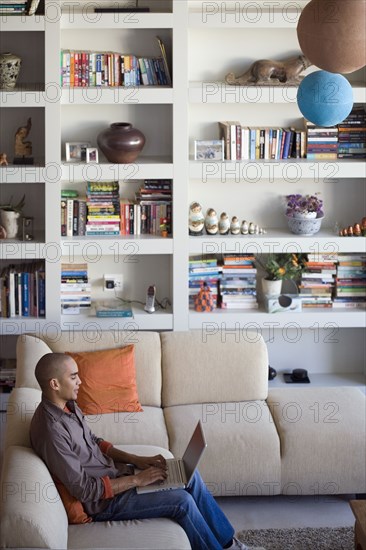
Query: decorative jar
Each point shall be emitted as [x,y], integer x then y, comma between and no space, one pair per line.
[9,69]
[121,143]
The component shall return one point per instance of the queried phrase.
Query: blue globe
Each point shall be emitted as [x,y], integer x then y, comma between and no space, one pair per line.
[324,98]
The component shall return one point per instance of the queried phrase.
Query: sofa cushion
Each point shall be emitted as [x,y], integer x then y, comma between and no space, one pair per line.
[216,367]
[108,380]
[161,533]
[143,428]
[323,439]
[147,355]
[34,516]
[243,448]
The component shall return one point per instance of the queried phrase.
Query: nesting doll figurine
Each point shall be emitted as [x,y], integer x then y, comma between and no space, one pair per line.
[244,228]
[196,220]
[224,224]
[235,226]
[211,222]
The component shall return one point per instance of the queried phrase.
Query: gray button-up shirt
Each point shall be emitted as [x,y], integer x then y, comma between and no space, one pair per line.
[70,450]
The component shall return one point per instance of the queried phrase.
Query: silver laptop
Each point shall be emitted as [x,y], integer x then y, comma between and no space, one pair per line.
[180,470]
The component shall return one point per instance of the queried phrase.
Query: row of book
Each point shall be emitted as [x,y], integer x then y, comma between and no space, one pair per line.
[329,281]
[232,282]
[23,290]
[352,135]
[103,212]
[345,140]
[75,288]
[13,7]
[257,143]
[88,68]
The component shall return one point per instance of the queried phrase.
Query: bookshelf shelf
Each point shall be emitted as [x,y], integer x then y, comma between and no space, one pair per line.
[31,95]
[277,240]
[141,320]
[293,169]
[327,380]
[146,167]
[119,95]
[99,21]
[218,16]
[220,92]
[250,319]
[22,23]
[110,246]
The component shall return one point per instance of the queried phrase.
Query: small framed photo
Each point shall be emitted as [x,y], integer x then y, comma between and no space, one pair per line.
[76,151]
[92,154]
[209,149]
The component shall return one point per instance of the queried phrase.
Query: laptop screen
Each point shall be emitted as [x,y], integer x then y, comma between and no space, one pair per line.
[194,451]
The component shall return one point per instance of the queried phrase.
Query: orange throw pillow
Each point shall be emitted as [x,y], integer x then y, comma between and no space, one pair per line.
[108,381]
[74,509]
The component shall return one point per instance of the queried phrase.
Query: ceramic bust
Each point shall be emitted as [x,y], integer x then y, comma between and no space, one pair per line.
[235,226]
[196,219]
[224,224]
[211,222]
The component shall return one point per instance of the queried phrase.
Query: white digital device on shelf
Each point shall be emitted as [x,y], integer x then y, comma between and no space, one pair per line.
[150,299]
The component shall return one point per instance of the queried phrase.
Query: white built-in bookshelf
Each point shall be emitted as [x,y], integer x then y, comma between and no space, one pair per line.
[204,42]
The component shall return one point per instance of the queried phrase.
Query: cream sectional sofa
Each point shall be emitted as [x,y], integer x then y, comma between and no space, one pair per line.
[261,441]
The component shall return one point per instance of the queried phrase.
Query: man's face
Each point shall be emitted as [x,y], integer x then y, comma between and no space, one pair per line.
[69,382]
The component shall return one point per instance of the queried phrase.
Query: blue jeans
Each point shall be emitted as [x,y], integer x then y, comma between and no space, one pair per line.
[193,508]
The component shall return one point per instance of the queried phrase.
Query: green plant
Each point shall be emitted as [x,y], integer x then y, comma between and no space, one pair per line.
[282,266]
[10,207]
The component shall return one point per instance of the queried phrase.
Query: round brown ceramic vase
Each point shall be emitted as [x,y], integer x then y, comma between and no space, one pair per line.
[121,143]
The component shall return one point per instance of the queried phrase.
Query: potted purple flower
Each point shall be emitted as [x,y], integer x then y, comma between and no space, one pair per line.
[304,213]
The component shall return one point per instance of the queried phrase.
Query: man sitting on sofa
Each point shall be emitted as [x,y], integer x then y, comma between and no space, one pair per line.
[97,475]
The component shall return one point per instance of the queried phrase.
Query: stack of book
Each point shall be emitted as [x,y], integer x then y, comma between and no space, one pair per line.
[73,214]
[322,143]
[203,270]
[103,208]
[23,290]
[13,7]
[352,135]
[350,290]
[154,202]
[75,288]
[318,280]
[255,143]
[238,282]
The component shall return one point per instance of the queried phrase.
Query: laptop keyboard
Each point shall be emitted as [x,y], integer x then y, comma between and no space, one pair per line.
[174,475]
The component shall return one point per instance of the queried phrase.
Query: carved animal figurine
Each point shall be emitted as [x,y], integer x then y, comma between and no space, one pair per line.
[3,159]
[23,148]
[268,71]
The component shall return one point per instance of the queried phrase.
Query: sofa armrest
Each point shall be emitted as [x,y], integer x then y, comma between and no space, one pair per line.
[32,513]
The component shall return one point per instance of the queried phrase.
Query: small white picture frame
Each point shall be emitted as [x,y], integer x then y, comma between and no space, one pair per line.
[206,150]
[76,151]
[92,155]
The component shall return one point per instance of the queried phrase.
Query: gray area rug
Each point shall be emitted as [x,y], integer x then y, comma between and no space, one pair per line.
[308,538]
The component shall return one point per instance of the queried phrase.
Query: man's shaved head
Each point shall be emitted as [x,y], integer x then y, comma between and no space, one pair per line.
[51,365]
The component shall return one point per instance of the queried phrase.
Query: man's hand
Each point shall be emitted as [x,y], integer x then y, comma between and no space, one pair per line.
[150,475]
[144,462]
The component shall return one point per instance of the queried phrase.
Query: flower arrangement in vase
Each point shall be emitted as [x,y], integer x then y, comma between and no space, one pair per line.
[279,267]
[304,213]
